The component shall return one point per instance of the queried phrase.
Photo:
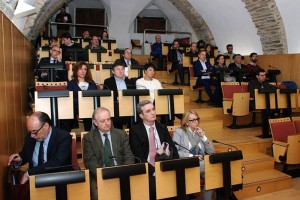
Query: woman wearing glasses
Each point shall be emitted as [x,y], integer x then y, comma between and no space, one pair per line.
[193,142]
[82,80]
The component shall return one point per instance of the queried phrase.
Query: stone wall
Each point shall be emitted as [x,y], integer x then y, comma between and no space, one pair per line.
[197,22]
[269,24]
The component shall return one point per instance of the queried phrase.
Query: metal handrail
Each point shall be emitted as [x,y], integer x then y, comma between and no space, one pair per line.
[73,24]
[155,30]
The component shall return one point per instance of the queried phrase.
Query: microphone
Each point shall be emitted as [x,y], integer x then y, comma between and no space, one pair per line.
[61,168]
[183,147]
[215,141]
[121,157]
[105,86]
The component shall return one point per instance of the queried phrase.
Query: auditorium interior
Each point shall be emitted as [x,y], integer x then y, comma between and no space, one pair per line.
[270,169]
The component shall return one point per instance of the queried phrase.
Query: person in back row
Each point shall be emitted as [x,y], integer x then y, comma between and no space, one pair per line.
[175,57]
[55,57]
[239,70]
[127,60]
[252,66]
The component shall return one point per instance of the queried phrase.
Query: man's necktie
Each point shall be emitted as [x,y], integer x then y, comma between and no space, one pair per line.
[152,146]
[41,153]
[108,162]
[127,63]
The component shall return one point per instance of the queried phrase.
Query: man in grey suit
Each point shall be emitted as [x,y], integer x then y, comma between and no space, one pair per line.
[101,144]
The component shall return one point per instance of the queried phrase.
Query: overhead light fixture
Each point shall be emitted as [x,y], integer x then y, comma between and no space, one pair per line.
[23,10]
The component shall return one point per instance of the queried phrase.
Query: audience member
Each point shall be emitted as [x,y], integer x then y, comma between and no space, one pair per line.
[104,35]
[115,83]
[54,42]
[258,83]
[146,137]
[252,67]
[193,142]
[156,51]
[68,43]
[175,57]
[82,80]
[94,43]
[86,35]
[200,45]
[223,70]
[148,81]
[63,17]
[202,70]
[102,143]
[239,70]
[209,52]
[42,75]
[229,52]
[45,147]
[127,60]
[193,50]
[261,83]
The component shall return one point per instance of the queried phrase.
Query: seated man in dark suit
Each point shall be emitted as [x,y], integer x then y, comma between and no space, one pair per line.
[127,60]
[118,82]
[45,147]
[96,143]
[239,71]
[147,136]
[42,75]
[202,69]
[175,57]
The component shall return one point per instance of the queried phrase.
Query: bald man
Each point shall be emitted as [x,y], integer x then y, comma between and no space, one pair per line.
[45,147]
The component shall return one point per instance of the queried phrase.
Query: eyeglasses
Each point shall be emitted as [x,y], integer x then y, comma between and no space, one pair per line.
[36,132]
[194,120]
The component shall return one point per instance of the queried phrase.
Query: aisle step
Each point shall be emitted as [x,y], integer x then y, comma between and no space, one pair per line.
[263,182]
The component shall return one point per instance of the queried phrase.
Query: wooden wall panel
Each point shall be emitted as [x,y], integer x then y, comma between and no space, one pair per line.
[288,64]
[16,75]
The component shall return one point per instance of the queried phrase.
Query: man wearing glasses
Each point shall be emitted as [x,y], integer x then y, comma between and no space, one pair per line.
[45,147]
[54,58]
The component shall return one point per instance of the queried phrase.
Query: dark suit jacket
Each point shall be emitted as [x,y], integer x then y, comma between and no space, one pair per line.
[58,153]
[139,141]
[110,84]
[122,62]
[198,68]
[94,151]
[61,75]
[172,56]
[239,73]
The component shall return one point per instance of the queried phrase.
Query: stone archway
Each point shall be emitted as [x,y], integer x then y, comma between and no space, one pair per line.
[197,22]
[267,19]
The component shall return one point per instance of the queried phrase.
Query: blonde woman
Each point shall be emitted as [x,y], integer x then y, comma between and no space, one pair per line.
[195,143]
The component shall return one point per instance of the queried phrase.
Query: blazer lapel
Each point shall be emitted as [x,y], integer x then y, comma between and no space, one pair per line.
[98,143]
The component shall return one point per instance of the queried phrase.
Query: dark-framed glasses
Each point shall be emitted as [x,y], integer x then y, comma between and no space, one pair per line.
[194,120]
[36,132]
